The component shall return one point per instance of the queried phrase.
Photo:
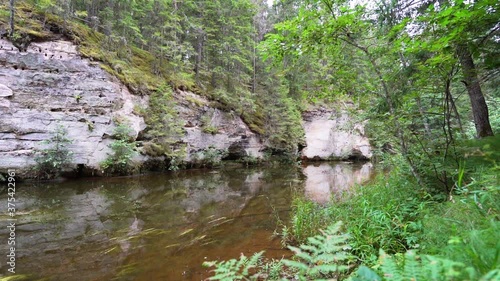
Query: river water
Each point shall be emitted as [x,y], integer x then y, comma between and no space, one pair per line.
[161,226]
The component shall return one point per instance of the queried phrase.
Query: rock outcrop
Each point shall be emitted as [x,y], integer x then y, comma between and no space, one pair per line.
[228,131]
[331,136]
[51,85]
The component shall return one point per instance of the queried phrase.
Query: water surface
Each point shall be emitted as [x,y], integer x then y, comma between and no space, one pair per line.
[162,226]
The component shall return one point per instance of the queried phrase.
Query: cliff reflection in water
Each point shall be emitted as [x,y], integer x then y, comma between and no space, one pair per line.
[326,180]
[161,226]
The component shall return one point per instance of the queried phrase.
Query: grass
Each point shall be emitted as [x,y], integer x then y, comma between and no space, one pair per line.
[393,214]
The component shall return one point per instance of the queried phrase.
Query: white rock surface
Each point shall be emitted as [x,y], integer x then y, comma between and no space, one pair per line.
[51,85]
[332,136]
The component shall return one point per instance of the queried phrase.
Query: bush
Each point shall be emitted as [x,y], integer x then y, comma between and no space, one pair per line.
[124,148]
[209,157]
[50,162]
[165,128]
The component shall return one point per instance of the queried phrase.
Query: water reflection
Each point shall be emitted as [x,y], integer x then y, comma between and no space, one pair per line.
[325,181]
[160,226]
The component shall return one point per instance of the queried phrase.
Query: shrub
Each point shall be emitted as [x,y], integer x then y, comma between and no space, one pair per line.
[50,162]
[209,157]
[165,128]
[124,148]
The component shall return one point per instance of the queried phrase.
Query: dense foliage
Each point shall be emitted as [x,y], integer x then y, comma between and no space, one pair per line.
[407,64]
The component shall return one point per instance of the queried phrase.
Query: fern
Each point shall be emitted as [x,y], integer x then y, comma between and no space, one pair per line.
[235,269]
[425,267]
[322,256]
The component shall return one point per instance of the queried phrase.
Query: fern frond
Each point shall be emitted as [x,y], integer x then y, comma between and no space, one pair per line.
[389,267]
[412,269]
[322,255]
[235,269]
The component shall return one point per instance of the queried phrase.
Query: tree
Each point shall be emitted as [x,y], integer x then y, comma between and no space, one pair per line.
[56,158]
[11,20]
[463,27]
[478,103]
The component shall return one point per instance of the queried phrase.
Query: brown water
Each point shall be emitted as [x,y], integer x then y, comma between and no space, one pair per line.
[161,226]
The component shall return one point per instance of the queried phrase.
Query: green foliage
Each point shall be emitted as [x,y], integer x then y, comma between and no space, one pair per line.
[323,256]
[206,123]
[478,248]
[284,129]
[384,214]
[307,218]
[250,160]
[165,128]
[209,157]
[425,267]
[124,148]
[235,269]
[327,256]
[51,161]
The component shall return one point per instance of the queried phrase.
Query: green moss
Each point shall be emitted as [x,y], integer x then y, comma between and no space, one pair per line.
[210,130]
[195,101]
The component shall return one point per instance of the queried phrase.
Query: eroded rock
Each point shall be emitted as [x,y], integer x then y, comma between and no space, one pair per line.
[332,136]
[51,85]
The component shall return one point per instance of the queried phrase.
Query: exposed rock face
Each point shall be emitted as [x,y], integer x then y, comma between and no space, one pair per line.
[232,134]
[51,85]
[330,136]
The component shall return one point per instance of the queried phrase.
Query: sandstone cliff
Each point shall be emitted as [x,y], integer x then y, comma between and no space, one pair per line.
[52,85]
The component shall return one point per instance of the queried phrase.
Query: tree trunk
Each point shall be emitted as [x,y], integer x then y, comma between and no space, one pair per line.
[11,18]
[478,103]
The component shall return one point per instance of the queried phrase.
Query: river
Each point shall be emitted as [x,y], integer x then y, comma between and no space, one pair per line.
[161,226]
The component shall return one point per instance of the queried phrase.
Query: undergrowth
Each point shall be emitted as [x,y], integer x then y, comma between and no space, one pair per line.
[398,231]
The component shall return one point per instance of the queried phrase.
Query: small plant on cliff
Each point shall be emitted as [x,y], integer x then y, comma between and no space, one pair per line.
[57,157]
[206,121]
[123,150]
[165,128]
[209,157]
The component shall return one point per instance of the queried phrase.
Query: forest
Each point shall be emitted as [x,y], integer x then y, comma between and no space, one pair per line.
[422,74]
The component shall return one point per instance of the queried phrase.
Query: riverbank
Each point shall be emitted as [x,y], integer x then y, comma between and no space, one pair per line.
[395,227]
